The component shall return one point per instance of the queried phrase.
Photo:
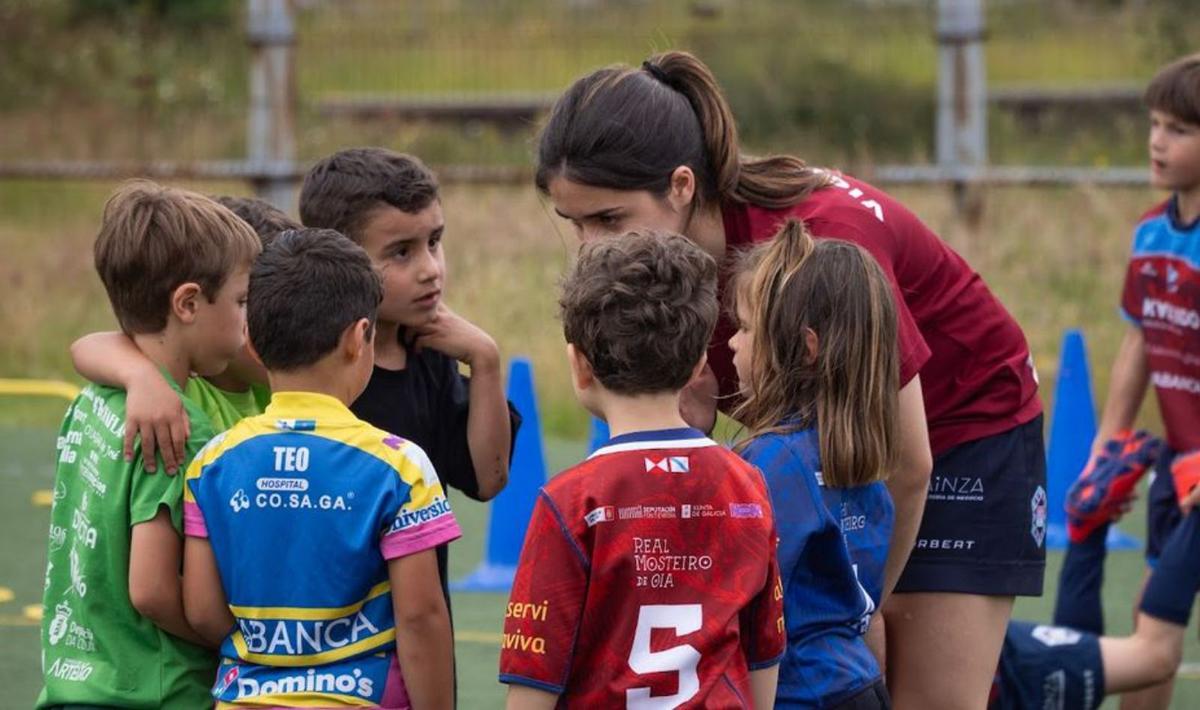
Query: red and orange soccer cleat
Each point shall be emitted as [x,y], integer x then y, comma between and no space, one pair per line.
[1105,486]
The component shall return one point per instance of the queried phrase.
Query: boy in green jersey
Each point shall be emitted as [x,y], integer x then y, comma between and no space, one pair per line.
[175,266]
[154,414]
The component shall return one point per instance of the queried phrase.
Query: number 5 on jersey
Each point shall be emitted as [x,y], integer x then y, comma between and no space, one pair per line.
[683,659]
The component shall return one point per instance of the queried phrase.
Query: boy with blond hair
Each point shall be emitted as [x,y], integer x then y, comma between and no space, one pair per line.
[175,266]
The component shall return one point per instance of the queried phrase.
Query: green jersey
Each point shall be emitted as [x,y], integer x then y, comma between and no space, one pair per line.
[225,408]
[96,648]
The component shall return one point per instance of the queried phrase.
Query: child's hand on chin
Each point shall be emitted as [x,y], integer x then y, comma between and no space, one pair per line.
[449,333]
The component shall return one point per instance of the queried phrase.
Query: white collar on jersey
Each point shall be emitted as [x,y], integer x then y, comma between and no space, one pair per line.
[657,439]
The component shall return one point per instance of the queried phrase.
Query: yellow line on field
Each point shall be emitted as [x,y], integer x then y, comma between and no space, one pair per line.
[6,595]
[42,498]
[33,612]
[40,388]
[15,620]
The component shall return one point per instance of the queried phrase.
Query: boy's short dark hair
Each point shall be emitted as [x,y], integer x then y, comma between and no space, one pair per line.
[1175,89]
[341,191]
[641,308]
[153,238]
[308,286]
[266,219]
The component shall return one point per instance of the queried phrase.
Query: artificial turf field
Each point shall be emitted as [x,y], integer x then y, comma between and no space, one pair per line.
[26,467]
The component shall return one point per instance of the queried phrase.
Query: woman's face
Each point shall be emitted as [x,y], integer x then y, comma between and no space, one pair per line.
[742,344]
[602,212]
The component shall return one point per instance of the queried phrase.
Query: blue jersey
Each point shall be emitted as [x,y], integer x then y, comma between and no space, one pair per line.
[825,609]
[303,506]
[867,516]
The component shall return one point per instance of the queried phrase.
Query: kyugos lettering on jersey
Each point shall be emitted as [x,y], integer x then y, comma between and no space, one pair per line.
[1162,294]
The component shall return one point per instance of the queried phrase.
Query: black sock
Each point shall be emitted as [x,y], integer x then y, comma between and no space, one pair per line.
[1078,604]
[1175,580]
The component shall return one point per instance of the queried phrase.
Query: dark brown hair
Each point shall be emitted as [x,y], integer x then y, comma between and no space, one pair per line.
[153,239]
[341,191]
[626,128]
[308,286]
[849,389]
[262,216]
[641,308]
[1175,89]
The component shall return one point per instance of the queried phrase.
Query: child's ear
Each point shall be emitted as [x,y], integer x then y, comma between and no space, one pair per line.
[581,370]
[356,339]
[184,301]
[699,368]
[811,345]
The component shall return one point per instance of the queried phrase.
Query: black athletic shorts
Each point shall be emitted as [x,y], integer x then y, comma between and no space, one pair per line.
[984,528]
[873,697]
[1162,509]
[1048,667]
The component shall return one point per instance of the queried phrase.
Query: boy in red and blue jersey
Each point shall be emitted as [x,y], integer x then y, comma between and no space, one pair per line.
[1161,301]
[311,534]
[648,575]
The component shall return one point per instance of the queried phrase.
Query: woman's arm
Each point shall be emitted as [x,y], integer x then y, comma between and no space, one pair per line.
[909,482]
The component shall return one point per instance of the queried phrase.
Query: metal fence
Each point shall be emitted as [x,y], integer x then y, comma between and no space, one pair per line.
[1030,91]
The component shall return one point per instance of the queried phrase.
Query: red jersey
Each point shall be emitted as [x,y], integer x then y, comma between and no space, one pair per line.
[1162,297]
[976,371]
[648,575]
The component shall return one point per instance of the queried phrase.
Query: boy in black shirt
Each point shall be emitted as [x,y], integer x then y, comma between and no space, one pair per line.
[388,203]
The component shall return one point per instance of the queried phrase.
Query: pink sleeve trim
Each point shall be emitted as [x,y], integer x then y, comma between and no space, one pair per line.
[429,535]
[193,520]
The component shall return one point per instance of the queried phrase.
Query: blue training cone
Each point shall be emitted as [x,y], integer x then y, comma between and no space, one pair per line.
[509,513]
[1072,430]
[599,434]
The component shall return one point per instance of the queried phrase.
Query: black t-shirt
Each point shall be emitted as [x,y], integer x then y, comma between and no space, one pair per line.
[427,403]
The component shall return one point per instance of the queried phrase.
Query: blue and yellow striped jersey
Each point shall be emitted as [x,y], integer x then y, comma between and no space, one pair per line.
[303,506]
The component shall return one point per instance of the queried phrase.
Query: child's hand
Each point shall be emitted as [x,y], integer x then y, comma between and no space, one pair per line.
[458,338]
[155,412]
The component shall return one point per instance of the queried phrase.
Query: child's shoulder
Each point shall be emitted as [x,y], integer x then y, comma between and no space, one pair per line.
[1157,211]
[782,447]
[404,456]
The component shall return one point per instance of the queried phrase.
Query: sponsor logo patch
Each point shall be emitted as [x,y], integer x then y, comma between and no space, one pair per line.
[669,464]
[1056,635]
[603,514]
[745,510]
[1037,506]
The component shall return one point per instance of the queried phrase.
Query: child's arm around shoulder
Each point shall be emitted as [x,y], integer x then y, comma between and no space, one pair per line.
[489,428]
[152,409]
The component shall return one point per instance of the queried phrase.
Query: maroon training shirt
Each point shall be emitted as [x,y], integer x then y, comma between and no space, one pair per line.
[976,371]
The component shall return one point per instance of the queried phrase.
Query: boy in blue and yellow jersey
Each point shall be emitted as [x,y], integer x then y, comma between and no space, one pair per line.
[311,534]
